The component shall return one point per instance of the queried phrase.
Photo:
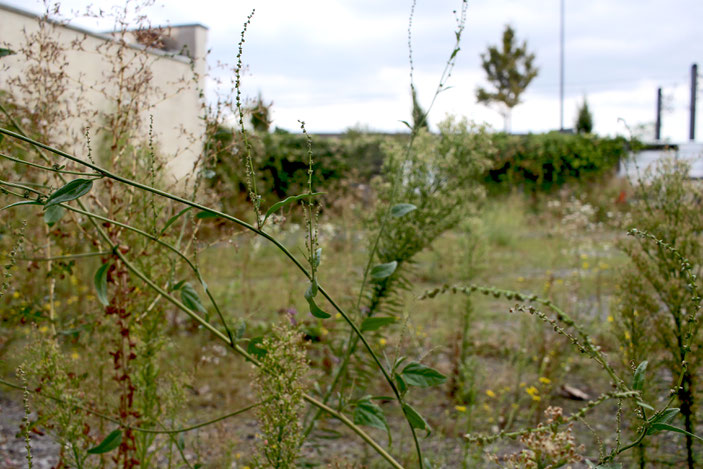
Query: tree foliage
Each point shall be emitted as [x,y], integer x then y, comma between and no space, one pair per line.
[419,115]
[260,115]
[584,119]
[509,70]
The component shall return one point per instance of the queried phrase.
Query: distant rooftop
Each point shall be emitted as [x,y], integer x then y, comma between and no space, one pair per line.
[167,48]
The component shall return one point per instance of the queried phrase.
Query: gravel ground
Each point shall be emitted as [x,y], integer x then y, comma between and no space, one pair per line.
[13,454]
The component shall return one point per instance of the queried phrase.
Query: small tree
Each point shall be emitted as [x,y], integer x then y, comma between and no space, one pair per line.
[260,115]
[584,119]
[419,115]
[510,70]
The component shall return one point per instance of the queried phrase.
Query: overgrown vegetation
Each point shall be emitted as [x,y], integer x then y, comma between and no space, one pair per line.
[131,307]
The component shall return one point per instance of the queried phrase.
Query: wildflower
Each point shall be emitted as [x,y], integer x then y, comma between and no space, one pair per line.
[610,318]
[16,295]
[75,355]
[382,341]
[43,329]
[490,393]
[460,408]
[337,316]
[324,331]
[544,380]
[585,266]
[534,393]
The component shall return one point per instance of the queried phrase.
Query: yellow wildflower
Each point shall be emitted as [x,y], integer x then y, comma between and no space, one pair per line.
[490,393]
[74,355]
[611,318]
[16,295]
[382,341]
[585,266]
[460,408]
[43,329]
[544,380]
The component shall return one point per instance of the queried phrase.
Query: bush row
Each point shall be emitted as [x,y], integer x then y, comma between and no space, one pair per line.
[533,162]
[542,162]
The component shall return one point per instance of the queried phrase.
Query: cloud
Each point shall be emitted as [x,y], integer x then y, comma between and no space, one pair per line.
[337,63]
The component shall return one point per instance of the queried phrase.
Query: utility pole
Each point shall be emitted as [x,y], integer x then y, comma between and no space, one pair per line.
[561,69]
[658,128]
[694,91]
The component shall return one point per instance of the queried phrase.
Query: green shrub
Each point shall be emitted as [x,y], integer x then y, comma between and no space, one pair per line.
[280,160]
[543,162]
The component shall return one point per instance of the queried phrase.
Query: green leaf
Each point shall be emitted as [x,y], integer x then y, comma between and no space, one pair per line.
[645,405]
[372,324]
[205,214]
[398,210]
[456,51]
[5,52]
[400,382]
[661,419]
[670,428]
[17,204]
[317,258]
[53,214]
[369,414]
[173,219]
[100,281]
[71,191]
[407,124]
[415,419]
[381,271]
[417,374]
[638,379]
[190,298]
[314,309]
[110,442]
[288,200]
[255,348]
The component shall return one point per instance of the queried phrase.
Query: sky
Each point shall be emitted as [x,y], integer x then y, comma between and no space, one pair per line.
[339,64]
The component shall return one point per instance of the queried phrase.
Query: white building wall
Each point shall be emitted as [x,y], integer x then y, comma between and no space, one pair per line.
[178,127]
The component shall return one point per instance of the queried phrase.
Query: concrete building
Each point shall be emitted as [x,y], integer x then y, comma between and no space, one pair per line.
[173,62]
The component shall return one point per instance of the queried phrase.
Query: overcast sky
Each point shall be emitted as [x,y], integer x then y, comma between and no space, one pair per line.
[337,64]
